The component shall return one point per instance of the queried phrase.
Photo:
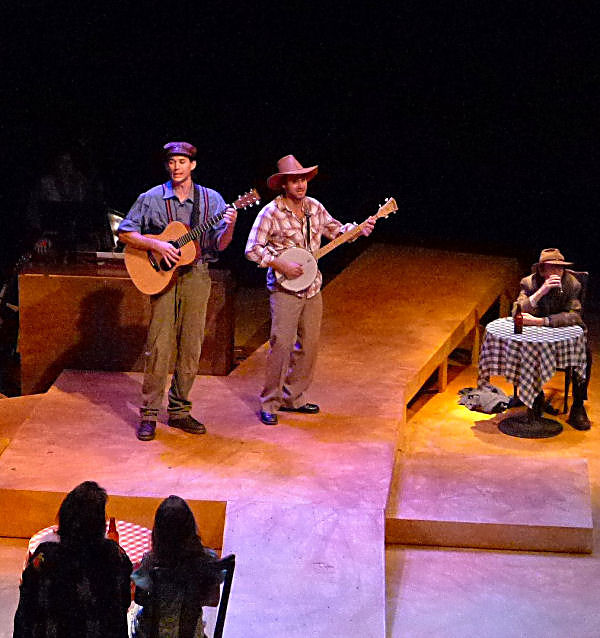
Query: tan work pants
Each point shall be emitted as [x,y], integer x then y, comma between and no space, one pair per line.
[294,342]
[176,333]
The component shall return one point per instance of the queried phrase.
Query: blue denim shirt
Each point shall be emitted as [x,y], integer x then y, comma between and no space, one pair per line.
[149,216]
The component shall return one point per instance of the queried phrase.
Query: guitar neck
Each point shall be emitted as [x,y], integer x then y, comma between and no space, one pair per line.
[341,239]
[198,230]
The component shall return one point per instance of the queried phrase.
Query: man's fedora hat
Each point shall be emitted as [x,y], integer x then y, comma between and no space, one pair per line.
[289,165]
[553,256]
[180,148]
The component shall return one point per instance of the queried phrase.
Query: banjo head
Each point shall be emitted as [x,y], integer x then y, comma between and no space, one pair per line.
[309,266]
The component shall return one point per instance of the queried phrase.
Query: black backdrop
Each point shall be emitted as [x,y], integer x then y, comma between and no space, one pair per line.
[481,118]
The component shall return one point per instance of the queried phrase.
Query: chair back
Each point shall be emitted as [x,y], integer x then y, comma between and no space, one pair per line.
[171,598]
[184,600]
[226,564]
[582,277]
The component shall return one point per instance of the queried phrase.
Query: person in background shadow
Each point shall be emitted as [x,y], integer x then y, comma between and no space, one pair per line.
[79,586]
[551,297]
[176,579]
[66,209]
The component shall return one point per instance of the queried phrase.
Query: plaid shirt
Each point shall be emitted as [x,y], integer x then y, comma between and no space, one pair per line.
[277,228]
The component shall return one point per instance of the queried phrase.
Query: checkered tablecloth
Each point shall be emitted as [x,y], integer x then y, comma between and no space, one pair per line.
[530,359]
[134,539]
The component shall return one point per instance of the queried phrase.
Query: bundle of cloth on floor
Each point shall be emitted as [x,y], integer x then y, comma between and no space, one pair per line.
[487,398]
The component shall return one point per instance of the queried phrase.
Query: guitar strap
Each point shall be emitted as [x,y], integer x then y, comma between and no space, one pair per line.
[308,232]
[204,238]
[195,217]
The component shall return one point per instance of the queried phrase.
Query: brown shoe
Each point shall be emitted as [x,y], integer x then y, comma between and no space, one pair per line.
[146,430]
[187,423]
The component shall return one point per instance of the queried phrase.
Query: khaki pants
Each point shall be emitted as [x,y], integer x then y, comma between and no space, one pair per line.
[176,330]
[294,341]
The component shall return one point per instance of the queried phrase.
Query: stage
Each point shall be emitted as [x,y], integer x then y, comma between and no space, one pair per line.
[310,506]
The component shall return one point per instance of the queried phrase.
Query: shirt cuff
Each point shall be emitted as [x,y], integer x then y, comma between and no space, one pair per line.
[532,302]
[266,259]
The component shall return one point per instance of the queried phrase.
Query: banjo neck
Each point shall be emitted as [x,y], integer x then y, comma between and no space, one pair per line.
[339,240]
[390,206]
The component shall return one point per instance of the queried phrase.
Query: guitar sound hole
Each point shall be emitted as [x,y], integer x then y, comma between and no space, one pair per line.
[164,265]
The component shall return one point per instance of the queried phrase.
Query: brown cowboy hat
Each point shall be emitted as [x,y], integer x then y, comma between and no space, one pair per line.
[552,256]
[289,165]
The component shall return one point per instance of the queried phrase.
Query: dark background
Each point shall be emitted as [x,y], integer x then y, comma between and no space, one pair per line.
[480,118]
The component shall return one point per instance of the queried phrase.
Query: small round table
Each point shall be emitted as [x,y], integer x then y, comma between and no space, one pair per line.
[528,361]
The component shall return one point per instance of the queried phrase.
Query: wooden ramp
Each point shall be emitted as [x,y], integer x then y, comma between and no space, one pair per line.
[301,504]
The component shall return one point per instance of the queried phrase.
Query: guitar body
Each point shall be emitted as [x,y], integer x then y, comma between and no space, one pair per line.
[147,269]
[309,266]
[140,267]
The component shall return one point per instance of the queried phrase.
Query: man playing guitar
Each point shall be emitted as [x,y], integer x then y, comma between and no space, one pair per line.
[179,311]
[291,220]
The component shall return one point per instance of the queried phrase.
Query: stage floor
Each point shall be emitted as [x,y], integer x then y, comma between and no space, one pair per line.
[304,502]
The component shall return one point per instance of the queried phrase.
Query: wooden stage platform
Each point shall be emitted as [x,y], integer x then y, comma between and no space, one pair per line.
[303,504]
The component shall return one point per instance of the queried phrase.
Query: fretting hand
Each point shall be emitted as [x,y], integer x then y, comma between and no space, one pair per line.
[230,215]
[367,229]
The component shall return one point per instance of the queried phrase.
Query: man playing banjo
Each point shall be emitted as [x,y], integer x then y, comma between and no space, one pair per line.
[292,221]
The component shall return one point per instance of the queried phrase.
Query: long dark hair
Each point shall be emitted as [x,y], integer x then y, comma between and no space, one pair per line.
[175,535]
[82,515]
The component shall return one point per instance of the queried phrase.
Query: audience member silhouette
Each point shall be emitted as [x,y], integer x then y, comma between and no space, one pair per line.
[176,579]
[79,586]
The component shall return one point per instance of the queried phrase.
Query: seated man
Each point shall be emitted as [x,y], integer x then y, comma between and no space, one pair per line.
[550,297]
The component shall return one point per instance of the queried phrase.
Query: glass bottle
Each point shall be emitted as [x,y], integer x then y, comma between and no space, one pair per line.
[112,533]
[518,320]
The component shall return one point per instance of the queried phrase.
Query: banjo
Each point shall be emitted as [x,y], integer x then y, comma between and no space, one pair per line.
[308,261]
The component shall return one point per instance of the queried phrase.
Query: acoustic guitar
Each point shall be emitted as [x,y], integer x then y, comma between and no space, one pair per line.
[150,272]
[308,260]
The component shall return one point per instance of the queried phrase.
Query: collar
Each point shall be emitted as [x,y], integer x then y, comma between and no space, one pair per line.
[168,192]
[282,206]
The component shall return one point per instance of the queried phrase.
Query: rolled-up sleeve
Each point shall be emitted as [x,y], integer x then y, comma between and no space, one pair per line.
[134,221]
[257,246]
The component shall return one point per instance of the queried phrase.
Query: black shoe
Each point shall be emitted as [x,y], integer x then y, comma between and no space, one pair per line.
[578,418]
[550,409]
[268,418]
[307,408]
[187,424]
[538,406]
[146,430]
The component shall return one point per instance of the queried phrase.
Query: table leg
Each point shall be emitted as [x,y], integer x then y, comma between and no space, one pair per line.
[531,424]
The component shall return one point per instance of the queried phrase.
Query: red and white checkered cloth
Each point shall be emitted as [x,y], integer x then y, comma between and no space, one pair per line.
[134,539]
[530,359]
